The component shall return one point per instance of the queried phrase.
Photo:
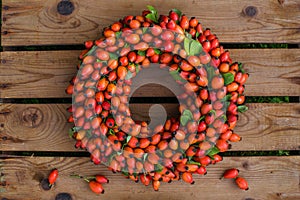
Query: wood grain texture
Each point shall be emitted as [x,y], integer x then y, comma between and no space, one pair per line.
[35,128]
[46,74]
[36,74]
[270,178]
[37,22]
[263,127]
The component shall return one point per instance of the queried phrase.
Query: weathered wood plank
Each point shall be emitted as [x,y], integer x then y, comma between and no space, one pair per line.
[269,178]
[37,22]
[263,126]
[39,127]
[34,127]
[36,74]
[46,74]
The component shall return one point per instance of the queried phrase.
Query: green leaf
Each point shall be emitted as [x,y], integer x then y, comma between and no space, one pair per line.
[158,168]
[227,103]
[228,78]
[223,118]
[197,34]
[188,113]
[286,99]
[145,29]
[111,132]
[151,9]
[226,98]
[76,128]
[186,44]
[188,35]
[283,153]
[137,69]
[184,120]
[91,51]
[71,132]
[102,61]
[145,156]
[176,76]
[113,56]
[179,13]
[213,112]
[128,138]
[193,163]
[88,134]
[201,118]
[157,51]
[275,100]
[118,34]
[241,68]
[111,157]
[128,75]
[125,173]
[213,151]
[210,72]
[159,153]
[152,17]
[141,53]
[242,108]
[195,48]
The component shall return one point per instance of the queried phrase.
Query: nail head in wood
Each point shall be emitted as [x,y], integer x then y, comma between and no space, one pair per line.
[63,196]
[45,184]
[250,11]
[65,7]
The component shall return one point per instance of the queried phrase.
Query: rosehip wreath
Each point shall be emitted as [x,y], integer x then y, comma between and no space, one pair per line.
[212,96]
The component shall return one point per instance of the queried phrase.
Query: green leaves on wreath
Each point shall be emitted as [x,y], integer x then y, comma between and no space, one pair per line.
[192,47]
[153,15]
[186,116]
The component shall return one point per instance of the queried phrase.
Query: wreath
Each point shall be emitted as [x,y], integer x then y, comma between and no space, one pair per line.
[212,94]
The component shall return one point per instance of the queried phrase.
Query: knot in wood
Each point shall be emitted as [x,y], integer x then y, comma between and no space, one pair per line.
[246,165]
[5,7]
[250,11]
[32,117]
[65,7]
[63,196]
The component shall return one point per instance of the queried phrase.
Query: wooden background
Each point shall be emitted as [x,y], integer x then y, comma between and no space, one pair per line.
[42,128]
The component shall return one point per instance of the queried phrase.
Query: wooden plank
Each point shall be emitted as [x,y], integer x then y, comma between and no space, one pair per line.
[30,127]
[270,178]
[37,22]
[36,74]
[263,127]
[46,74]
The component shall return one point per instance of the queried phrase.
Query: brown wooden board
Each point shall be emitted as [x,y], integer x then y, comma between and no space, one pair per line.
[43,127]
[46,74]
[38,22]
[270,178]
